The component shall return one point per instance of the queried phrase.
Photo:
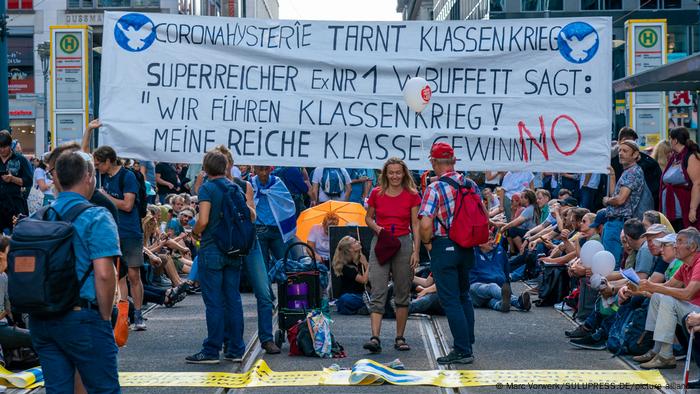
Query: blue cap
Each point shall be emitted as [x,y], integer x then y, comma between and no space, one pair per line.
[600,219]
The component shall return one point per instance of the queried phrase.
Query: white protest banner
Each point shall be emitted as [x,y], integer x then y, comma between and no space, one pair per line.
[507,94]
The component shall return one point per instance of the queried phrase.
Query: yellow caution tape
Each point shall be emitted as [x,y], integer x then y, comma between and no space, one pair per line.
[368,372]
[25,379]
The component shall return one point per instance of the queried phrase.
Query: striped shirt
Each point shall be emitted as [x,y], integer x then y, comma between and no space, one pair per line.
[439,202]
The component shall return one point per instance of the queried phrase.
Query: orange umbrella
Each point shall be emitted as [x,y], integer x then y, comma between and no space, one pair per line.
[350,213]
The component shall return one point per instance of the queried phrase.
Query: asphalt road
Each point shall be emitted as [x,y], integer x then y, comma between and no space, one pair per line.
[512,341]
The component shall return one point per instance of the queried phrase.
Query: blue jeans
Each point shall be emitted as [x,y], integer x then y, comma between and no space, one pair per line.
[588,198]
[450,264]
[428,304]
[79,339]
[219,278]
[259,281]
[193,270]
[489,294]
[270,244]
[611,239]
[349,303]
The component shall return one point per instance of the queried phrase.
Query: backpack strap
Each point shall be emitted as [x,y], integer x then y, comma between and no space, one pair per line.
[74,212]
[71,216]
[122,174]
[455,185]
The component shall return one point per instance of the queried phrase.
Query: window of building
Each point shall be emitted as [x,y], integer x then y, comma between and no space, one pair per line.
[696,38]
[649,4]
[20,4]
[677,39]
[497,5]
[672,3]
[542,5]
[593,5]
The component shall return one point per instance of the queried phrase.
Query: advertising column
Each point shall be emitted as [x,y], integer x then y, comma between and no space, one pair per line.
[70,84]
[646,50]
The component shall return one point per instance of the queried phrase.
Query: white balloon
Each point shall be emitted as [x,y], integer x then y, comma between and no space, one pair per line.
[603,263]
[588,250]
[417,93]
[596,280]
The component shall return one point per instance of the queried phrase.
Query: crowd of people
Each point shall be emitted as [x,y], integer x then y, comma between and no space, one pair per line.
[154,234]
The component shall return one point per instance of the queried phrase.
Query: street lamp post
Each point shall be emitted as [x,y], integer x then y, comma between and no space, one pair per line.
[44,51]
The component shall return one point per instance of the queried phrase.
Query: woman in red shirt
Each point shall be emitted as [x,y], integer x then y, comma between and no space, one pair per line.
[393,207]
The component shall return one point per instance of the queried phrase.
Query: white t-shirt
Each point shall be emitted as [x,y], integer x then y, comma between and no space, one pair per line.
[495,202]
[515,182]
[316,177]
[321,240]
[236,172]
[41,174]
[593,182]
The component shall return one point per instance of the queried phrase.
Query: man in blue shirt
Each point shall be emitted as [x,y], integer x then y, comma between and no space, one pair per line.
[269,236]
[487,278]
[122,188]
[219,275]
[82,339]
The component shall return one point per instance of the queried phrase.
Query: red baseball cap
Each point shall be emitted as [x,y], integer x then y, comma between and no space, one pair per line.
[441,150]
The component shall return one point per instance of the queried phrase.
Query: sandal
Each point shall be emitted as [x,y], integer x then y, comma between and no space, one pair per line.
[401,345]
[374,345]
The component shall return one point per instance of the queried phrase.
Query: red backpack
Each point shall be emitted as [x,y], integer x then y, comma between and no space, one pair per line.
[470,222]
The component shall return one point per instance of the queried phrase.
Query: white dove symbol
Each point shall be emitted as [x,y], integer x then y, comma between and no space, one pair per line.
[136,37]
[580,48]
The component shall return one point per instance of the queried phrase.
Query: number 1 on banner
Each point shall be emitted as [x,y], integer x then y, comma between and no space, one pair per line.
[372,71]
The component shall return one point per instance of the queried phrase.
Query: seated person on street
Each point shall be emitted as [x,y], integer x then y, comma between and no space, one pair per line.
[319,237]
[178,225]
[593,333]
[672,301]
[662,246]
[528,218]
[350,265]
[491,201]
[11,337]
[489,287]
[566,251]
[426,299]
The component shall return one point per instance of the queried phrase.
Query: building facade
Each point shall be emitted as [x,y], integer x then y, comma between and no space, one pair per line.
[682,18]
[683,36]
[29,22]
[442,10]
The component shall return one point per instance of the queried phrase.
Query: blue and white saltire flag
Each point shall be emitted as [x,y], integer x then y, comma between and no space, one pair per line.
[281,205]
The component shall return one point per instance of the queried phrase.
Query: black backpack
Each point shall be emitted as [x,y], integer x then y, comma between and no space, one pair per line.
[42,279]
[235,232]
[141,198]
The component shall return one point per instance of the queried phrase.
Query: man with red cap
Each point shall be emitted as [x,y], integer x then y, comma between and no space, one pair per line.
[450,263]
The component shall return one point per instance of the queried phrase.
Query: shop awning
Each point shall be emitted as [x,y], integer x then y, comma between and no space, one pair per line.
[683,74]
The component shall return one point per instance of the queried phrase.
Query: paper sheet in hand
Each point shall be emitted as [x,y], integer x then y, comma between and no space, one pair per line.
[631,277]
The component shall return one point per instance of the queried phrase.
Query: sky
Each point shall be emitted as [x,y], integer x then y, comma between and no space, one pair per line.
[341,10]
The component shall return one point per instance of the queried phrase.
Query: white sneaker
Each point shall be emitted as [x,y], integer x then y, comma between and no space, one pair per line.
[139,325]
[562,306]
